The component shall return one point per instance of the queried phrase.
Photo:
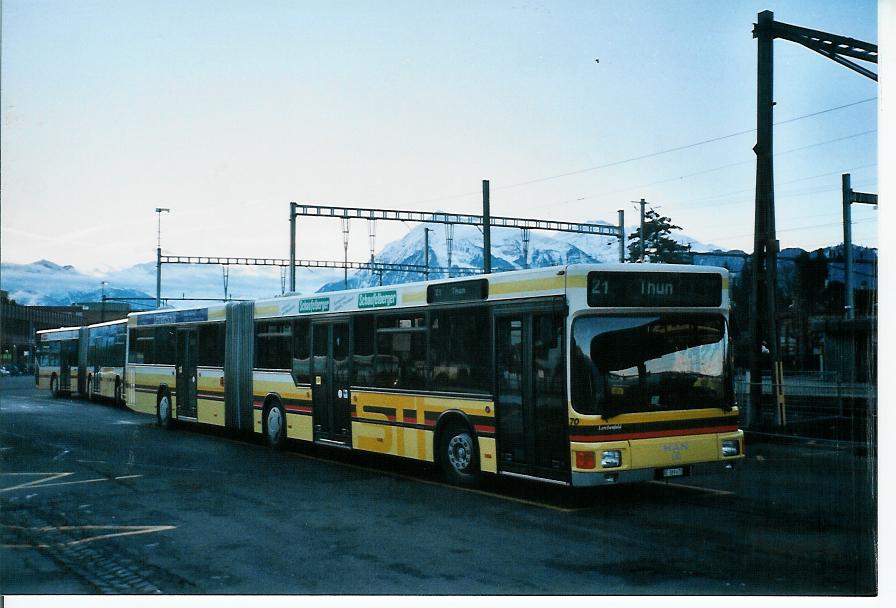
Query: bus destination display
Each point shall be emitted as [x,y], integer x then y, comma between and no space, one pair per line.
[461,291]
[630,289]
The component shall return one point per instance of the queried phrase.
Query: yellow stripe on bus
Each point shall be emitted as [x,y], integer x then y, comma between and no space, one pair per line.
[530,285]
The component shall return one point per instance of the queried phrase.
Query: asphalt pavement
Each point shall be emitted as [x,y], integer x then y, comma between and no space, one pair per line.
[96,499]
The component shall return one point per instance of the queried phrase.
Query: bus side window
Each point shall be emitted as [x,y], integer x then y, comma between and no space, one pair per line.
[211,345]
[142,346]
[363,350]
[165,345]
[301,351]
[401,351]
[273,344]
[460,350]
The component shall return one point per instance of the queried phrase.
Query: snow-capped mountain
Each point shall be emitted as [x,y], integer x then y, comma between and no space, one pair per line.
[546,248]
[47,283]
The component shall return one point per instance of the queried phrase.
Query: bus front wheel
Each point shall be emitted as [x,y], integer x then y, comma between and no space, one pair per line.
[459,455]
[54,386]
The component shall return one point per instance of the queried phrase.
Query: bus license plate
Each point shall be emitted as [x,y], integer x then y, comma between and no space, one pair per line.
[673,472]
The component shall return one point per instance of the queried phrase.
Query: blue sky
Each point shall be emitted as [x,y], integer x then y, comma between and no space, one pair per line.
[227,111]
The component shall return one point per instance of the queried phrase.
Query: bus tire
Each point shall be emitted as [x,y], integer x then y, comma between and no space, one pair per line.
[274,422]
[117,398]
[90,395]
[54,386]
[164,417]
[459,454]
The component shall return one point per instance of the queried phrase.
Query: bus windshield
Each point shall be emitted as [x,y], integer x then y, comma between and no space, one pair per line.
[648,363]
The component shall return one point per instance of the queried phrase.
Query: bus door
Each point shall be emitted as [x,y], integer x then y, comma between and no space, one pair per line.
[186,372]
[330,382]
[68,357]
[530,399]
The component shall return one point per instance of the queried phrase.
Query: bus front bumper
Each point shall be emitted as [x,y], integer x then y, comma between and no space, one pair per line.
[608,478]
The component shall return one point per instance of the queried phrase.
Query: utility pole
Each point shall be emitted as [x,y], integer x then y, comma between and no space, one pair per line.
[621,240]
[486,230]
[103,305]
[763,315]
[643,236]
[292,247]
[848,303]
[850,197]
[159,211]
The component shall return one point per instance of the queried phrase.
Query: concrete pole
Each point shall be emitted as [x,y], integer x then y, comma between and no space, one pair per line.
[158,277]
[643,236]
[292,247]
[621,236]
[486,229]
[764,263]
[159,211]
[848,303]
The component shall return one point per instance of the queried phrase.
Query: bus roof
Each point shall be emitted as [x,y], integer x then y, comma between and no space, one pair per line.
[514,284]
[58,329]
[108,323]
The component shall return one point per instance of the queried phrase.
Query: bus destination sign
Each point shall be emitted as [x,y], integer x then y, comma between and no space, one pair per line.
[646,289]
[196,315]
[460,291]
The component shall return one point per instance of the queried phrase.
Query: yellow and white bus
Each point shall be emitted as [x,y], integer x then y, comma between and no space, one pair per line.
[59,360]
[582,375]
[106,351]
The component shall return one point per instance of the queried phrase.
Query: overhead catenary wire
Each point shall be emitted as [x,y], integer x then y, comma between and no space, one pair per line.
[713,169]
[678,148]
[796,229]
[643,156]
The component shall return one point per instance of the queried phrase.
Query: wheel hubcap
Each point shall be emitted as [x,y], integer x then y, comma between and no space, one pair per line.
[460,452]
[275,423]
[164,409]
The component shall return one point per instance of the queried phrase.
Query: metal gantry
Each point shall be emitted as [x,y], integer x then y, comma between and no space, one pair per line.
[372,266]
[439,217]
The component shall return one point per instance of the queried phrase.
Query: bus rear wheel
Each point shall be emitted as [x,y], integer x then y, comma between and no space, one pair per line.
[54,386]
[459,455]
[163,411]
[117,397]
[275,426]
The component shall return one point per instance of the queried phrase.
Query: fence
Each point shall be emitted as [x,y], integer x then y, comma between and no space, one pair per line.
[817,404]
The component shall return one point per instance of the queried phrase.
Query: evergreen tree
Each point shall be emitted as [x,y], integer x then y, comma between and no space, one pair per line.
[658,247]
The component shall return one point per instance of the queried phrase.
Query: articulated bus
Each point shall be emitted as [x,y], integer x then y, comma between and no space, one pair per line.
[106,353]
[58,360]
[582,375]
[88,361]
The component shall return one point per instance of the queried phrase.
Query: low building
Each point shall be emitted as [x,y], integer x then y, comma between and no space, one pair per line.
[18,324]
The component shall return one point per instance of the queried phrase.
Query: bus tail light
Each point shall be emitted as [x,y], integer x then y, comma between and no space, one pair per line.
[611,459]
[585,460]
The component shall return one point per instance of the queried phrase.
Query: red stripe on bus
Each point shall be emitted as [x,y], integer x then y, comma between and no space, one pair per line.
[482,428]
[650,434]
[364,417]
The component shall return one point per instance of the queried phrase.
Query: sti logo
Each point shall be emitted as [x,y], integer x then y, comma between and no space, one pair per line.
[675,449]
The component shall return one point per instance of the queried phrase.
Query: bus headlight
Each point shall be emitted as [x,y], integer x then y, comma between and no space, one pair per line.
[610,459]
[730,447]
